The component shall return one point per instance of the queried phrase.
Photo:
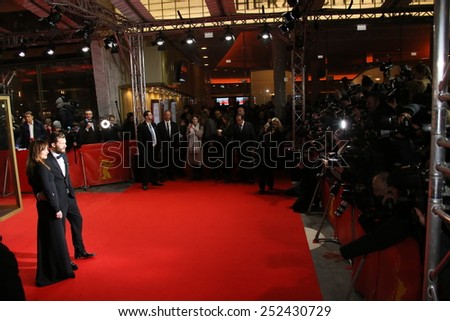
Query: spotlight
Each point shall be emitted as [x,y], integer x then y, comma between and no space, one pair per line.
[85,47]
[286,27]
[292,15]
[53,18]
[87,31]
[160,39]
[190,39]
[22,52]
[50,51]
[111,43]
[229,35]
[265,33]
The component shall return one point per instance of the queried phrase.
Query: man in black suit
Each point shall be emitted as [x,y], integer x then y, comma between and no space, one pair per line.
[244,133]
[89,129]
[149,143]
[30,130]
[170,142]
[57,161]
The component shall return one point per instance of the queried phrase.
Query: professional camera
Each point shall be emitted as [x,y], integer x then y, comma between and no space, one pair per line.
[347,199]
[412,182]
[386,66]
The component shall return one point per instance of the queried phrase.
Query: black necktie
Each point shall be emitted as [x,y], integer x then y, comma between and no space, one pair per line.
[168,130]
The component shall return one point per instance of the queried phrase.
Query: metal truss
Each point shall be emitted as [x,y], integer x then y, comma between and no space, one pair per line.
[107,21]
[275,18]
[36,39]
[90,10]
[298,79]
[138,82]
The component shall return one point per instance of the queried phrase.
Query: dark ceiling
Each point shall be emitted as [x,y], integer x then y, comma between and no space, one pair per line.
[344,49]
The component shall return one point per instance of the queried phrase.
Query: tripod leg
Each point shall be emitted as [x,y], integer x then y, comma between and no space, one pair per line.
[355,277]
[319,183]
[324,215]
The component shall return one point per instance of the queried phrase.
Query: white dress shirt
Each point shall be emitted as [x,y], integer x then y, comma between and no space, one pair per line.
[60,161]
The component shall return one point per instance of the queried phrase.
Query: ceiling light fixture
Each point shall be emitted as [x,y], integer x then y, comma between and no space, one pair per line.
[22,51]
[265,33]
[190,39]
[85,47]
[53,18]
[50,51]
[229,35]
[160,39]
[111,43]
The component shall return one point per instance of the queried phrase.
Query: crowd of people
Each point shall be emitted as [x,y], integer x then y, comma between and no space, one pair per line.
[378,154]
[377,130]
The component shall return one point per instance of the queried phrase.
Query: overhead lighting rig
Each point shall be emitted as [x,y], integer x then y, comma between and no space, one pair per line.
[53,18]
[111,43]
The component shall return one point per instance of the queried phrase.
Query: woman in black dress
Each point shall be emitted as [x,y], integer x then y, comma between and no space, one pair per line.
[53,261]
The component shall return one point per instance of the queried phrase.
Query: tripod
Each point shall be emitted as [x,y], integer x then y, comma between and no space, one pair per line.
[320,176]
[334,190]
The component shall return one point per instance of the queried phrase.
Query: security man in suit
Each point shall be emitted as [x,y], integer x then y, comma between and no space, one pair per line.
[170,143]
[149,144]
[244,133]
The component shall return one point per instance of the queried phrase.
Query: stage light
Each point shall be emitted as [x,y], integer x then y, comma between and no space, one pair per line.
[229,35]
[22,52]
[85,47]
[160,39]
[265,33]
[111,43]
[50,51]
[87,31]
[53,18]
[190,39]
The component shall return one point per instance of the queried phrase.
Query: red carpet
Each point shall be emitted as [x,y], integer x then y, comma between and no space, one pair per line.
[183,241]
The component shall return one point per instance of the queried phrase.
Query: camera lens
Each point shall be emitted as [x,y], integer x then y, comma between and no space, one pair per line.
[341,208]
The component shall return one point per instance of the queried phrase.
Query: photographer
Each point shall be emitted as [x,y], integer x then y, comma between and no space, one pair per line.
[392,217]
[89,132]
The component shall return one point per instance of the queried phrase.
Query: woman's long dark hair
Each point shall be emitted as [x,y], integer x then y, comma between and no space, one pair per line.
[34,150]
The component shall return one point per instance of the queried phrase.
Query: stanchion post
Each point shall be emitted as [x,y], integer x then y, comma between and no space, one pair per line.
[85,186]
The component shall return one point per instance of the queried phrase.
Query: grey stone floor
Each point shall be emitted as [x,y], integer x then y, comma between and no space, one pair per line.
[334,273]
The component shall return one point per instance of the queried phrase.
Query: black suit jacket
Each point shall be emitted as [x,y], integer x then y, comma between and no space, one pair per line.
[63,184]
[38,130]
[174,133]
[145,139]
[246,134]
[90,136]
